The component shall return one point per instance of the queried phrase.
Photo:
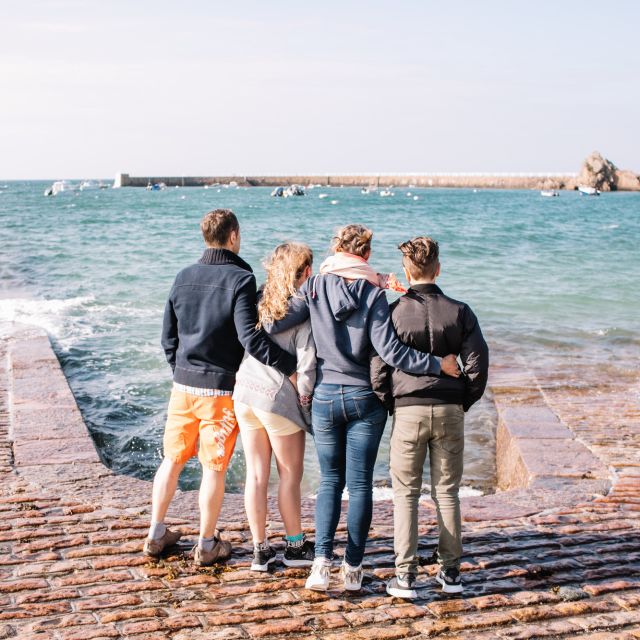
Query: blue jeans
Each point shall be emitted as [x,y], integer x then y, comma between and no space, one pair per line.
[348,422]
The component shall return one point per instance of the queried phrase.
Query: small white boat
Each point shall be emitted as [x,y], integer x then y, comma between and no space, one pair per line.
[294,190]
[60,186]
[549,193]
[89,184]
[588,191]
[323,195]
[386,193]
[278,192]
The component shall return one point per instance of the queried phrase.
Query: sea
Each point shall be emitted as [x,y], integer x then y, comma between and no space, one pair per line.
[553,281]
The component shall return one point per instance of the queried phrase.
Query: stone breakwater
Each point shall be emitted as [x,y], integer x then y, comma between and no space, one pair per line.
[596,171]
[555,553]
[449,181]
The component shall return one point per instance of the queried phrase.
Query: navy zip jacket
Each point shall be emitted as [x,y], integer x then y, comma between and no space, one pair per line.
[210,319]
[348,319]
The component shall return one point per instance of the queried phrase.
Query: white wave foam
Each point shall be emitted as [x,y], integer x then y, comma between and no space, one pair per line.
[50,315]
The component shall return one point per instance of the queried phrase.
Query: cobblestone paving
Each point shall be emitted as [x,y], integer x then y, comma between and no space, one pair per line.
[71,567]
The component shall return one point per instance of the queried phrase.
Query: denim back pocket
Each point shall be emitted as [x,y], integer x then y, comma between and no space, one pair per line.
[321,414]
[368,406]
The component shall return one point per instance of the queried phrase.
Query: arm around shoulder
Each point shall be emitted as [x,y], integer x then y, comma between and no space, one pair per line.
[255,341]
[297,313]
[388,346]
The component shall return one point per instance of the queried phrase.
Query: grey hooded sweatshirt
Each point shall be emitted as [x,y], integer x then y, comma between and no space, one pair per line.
[350,320]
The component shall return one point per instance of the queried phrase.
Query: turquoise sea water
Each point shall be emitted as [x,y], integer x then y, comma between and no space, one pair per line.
[552,280]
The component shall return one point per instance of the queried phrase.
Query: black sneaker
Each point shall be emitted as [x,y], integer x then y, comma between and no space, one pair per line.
[450,580]
[403,587]
[262,558]
[299,556]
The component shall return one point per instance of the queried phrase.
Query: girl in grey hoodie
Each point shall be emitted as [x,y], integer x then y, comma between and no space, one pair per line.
[274,416]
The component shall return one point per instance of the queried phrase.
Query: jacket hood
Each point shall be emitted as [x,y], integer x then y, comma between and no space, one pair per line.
[343,297]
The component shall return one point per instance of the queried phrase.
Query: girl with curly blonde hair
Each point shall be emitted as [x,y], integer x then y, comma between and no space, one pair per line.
[274,416]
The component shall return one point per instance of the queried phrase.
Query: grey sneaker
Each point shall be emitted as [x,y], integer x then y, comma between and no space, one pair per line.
[154,548]
[403,586]
[300,556]
[352,577]
[221,551]
[262,558]
[450,580]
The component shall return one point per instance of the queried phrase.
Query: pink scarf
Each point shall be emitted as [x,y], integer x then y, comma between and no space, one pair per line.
[352,267]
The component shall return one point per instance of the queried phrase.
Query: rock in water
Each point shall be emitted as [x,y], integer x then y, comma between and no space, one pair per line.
[627,181]
[602,174]
[598,172]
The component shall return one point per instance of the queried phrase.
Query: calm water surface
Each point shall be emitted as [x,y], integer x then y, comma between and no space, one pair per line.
[552,280]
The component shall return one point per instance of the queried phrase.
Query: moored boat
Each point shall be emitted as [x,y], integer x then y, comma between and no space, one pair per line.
[60,186]
[588,191]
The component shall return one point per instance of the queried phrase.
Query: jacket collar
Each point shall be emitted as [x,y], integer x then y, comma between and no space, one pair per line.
[223,256]
[426,288]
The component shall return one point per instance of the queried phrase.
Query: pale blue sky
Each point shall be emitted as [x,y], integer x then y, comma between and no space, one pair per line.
[200,88]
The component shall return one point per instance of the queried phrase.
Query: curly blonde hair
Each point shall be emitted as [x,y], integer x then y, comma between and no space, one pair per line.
[284,268]
[354,238]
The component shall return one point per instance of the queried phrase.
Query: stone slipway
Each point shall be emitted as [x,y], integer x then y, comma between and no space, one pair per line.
[555,553]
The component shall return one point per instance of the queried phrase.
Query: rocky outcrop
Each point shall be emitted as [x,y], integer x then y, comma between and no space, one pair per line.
[598,172]
[602,174]
[627,181]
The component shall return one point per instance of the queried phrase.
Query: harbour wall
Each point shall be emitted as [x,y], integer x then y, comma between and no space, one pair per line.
[436,180]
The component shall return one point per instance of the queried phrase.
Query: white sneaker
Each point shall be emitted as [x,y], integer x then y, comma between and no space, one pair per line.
[352,577]
[318,579]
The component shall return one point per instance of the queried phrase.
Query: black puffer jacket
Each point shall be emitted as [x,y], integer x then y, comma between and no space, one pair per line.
[426,319]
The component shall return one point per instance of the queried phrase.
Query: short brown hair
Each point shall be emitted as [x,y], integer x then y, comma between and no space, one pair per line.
[420,257]
[217,226]
[354,238]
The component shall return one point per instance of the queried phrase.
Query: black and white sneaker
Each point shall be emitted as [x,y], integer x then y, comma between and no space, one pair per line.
[450,580]
[301,555]
[262,558]
[403,586]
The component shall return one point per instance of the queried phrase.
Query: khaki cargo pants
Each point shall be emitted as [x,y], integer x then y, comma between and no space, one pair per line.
[418,430]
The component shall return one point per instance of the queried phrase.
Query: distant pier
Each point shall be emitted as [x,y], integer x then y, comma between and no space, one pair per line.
[441,180]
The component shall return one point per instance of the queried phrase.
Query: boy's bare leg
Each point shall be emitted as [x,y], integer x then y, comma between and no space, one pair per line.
[210,500]
[164,488]
[165,483]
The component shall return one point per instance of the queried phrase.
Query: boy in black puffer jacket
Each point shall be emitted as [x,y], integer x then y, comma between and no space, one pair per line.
[429,414]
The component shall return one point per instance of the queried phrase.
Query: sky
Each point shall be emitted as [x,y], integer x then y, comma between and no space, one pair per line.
[88,88]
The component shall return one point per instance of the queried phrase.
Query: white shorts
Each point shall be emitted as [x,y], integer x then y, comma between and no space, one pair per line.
[251,419]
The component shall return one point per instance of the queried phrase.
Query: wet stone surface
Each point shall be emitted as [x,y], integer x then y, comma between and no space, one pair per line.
[554,559]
